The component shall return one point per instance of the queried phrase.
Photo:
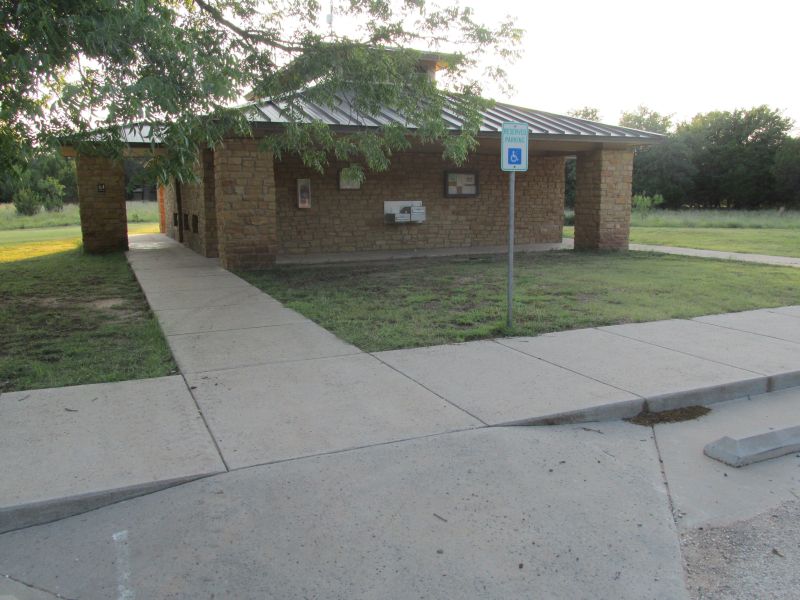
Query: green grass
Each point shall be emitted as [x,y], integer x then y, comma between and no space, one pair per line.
[138,212]
[433,301]
[725,219]
[774,242]
[19,244]
[68,318]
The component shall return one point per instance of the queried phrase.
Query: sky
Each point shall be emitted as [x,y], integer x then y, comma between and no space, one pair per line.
[675,57]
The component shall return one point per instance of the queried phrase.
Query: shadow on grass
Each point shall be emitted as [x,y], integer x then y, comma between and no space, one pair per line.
[69,318]
[422,302]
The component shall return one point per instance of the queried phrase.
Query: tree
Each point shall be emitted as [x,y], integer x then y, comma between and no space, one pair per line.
[80,71]
[734,153]
[587,112]
[786,171]
[665,169]
[647,120]
[570,166]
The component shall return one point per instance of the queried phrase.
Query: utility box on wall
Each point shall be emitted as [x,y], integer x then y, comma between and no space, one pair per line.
[403,211]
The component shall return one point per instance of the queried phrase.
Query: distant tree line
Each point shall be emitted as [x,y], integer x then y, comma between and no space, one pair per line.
[742,159]
[46,180]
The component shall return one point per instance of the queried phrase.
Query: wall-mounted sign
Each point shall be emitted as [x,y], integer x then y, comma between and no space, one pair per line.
[303,193]
[514,147]
[460,184]
[101,187]
[348,183]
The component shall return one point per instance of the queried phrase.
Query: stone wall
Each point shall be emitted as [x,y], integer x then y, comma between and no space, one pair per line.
[171,210]
[352,220]
[101,195]
[603,199]
[162,215]
[245,205]
[198,208]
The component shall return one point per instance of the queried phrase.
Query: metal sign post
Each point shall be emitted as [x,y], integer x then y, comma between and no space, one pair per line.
[513,158]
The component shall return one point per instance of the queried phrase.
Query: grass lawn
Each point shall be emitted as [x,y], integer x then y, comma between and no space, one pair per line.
[421,302]
[67,318]
[138,212]
[19,244]
[775,242]
[711,218]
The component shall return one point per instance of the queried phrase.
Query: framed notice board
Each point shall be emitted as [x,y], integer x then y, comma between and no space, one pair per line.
[460,184]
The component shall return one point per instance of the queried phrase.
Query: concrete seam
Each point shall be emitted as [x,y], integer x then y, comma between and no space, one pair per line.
[544,360]
[772,337]
[719,362]
[276,362]
[205,422]
[113,502]
[670,502]
[776,312]
[364,447]
[33,587]
[255,301]
[304,321]
[429,389]
[204,305]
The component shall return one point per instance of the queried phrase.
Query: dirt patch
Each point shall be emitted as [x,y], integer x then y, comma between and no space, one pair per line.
[49,302]
[106,303]
[676,415]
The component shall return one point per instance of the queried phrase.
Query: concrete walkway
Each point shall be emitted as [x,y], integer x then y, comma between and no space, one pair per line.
[261,384]
[566,244]
[763,259]
[271,384]
[358,475]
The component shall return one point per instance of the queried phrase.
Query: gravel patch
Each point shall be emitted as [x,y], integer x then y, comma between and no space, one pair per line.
[755,558]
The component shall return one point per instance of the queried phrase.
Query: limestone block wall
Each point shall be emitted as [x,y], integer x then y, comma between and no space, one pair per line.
[170,211]
[244,187]
[352,220]
[198,208]
[603,199]
[101,196]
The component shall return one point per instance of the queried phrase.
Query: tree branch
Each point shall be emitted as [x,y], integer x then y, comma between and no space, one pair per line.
[251,36]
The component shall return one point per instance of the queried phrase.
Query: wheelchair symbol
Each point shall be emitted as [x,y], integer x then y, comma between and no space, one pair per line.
[515,156]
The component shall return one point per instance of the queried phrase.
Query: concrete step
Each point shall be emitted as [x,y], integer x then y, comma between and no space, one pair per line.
[69,450]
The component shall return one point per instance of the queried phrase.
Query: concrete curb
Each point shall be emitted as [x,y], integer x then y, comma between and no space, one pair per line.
[755,448]
[54,509]
[698,396]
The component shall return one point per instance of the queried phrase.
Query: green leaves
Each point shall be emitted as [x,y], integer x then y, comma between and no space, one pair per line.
[81,71]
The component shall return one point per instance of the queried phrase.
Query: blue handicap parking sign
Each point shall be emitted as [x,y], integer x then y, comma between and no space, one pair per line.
[515,156]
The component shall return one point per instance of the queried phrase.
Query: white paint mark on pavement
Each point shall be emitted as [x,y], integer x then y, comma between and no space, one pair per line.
[123,566]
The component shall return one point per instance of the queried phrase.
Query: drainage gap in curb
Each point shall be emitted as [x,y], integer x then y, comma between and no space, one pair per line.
[676,415]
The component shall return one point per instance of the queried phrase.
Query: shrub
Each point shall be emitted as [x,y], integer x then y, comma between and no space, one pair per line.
[51,193]
[645,203]
[27,202]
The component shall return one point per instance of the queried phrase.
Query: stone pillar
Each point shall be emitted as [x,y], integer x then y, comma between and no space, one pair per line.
[101,195]
[162,213]
[603,199]
[244,185]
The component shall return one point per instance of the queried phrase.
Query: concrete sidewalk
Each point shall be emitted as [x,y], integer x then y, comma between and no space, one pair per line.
[68,450]
[261,373]
[271,384]
[763,259]
[261,384]
[358,475]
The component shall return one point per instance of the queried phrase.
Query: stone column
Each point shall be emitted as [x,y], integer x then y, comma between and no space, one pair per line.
[603,199]
[244,186]
[101,195]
